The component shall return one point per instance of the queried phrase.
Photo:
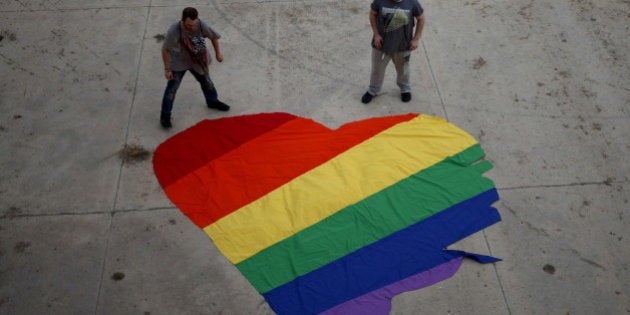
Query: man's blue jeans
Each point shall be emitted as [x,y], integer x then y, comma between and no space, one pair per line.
[209,92]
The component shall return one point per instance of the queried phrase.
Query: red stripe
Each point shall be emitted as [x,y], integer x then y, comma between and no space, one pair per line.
[256,168]
[209,139]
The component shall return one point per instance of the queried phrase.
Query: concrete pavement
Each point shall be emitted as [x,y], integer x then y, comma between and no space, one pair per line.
[543,85]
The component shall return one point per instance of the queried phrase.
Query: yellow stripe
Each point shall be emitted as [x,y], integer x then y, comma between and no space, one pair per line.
[379,162]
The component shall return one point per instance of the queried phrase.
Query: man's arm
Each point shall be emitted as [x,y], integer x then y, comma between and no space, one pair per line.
[211,34]
[416,36]
[378,39]
[166,58]
[217,49]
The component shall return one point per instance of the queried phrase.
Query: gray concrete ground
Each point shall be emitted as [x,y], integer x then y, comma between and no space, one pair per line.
[543,85]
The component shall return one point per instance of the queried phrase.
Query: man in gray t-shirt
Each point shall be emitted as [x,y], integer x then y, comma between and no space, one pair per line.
[394,38]
[184,49]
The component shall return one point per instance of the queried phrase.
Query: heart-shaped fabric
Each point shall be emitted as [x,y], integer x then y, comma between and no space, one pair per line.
[331,221]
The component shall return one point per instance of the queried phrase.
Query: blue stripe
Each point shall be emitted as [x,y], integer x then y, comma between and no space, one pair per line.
[402,254]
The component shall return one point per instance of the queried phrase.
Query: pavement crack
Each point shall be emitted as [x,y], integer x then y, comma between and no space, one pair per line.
[539,231]
[133,101]
[607,182]
[592,263]
[586,260]
[16,214]
[11,62]
[529,225]
[434,78]
[87,48]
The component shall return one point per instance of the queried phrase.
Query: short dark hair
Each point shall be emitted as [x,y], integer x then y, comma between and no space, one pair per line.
[189,13]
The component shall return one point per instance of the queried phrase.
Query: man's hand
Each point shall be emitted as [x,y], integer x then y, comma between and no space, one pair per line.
[413,45]
[168,74]
[378,41]
[219,57]
[166,57]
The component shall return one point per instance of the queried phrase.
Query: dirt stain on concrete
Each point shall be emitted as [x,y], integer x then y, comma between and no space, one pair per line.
[480,62]
[8,35]
[159,38]
[133,153]
[609,181]
[550,269]
[117,276]
[11,213]
[20,247]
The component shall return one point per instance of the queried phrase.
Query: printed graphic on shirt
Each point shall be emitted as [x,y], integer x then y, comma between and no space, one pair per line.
[395,18]
[199,43]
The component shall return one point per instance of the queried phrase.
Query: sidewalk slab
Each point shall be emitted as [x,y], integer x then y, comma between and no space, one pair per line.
[160,263]
[65,107]
[521,57]
[537,89]
[539,150]
[51,264]
[566,249]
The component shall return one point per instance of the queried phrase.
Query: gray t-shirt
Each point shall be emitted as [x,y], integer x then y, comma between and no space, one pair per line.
[180,58]
[395,22]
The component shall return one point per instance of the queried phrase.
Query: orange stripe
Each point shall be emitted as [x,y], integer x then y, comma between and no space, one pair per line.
[257,167]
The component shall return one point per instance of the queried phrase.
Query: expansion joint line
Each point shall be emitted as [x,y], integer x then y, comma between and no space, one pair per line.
[116,194]
[496,272]
[133,101]
[437,86]
[608,182]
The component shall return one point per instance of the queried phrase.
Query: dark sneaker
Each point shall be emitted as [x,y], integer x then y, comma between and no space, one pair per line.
[405,97]
[218,105]
[367,97]
[166,122]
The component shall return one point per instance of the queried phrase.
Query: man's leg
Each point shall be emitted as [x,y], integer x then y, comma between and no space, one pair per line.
[169,98]
[401,61]
[379,64]
[209,91]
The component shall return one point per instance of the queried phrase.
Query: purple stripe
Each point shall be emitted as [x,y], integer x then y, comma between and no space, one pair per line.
[379,301]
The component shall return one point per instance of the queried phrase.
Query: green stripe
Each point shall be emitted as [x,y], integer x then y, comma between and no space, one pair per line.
[411,200]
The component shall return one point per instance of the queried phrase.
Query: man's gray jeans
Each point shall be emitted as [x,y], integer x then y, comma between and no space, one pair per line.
[379,64]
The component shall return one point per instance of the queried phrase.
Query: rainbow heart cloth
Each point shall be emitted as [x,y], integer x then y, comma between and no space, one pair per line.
[332,221]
